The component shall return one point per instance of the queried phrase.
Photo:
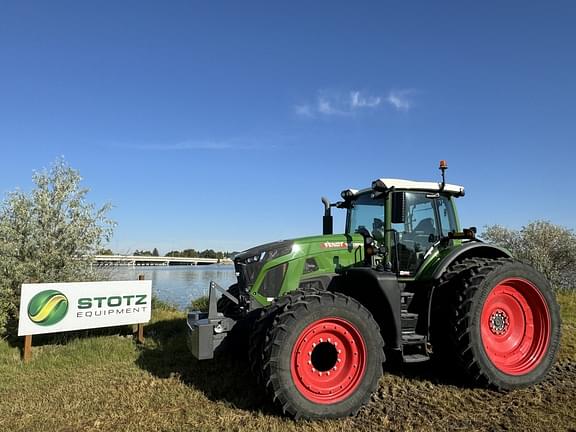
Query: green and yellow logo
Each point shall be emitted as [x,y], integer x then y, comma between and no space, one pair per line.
[47,307]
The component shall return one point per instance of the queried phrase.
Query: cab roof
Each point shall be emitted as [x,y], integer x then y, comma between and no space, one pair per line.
[390,183]
[408,185]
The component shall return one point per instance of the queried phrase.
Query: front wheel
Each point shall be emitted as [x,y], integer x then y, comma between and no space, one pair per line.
[323,357]
[505,323]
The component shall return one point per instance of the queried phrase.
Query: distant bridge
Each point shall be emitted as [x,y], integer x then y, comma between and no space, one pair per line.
[132,260]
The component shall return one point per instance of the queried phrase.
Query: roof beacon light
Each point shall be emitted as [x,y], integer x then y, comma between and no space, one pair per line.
[443,167]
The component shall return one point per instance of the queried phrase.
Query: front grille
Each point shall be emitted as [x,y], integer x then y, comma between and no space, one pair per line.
[249,264]
[273,281]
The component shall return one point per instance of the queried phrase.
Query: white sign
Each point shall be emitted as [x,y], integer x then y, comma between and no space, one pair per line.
[58,307]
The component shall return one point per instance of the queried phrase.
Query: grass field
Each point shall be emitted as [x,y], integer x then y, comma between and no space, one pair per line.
[104,382]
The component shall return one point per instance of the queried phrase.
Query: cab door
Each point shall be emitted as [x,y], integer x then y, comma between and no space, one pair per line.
[417,231]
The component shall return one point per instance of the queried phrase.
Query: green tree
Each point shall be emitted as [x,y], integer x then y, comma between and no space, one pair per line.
[193,253]
[142,253]
[48,235]
[155,252]
[548,247]
[189,253]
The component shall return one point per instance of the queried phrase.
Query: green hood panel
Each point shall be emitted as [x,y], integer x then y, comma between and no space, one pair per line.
[311,257]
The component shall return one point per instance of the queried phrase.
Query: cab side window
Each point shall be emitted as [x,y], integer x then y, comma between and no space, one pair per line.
[447,216]
[418,232]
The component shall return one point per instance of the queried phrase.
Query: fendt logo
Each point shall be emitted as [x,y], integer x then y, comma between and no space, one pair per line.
[47,307]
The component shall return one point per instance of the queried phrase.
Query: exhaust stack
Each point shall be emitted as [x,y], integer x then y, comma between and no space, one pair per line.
[327,220]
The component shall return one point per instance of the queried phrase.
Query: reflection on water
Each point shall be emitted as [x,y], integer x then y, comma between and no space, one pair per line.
[178,285]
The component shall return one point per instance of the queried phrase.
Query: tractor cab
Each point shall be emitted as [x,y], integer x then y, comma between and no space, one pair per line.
[402,220]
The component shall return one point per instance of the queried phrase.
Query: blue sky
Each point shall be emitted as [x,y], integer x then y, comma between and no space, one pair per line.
[220,124]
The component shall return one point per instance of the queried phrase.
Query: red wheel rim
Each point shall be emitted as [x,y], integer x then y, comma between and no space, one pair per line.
[328,360]
[515,326]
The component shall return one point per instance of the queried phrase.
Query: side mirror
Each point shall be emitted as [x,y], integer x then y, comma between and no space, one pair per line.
[398,207]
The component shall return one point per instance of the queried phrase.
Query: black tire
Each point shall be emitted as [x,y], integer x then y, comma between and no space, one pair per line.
[444,298]
[227,306]
[261,325]
[354,353]
[503,322]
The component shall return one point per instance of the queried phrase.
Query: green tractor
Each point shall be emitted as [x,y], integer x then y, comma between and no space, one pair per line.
[404,282]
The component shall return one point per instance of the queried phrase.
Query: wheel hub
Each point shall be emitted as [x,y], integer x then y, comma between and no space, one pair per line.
[324,356]
[499,322]
[515,326]
[328,360]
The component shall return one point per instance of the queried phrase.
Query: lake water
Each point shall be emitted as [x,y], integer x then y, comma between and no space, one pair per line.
[178,285]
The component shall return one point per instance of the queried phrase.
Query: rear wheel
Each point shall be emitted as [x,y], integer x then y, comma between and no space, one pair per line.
[505,323]
[323,356]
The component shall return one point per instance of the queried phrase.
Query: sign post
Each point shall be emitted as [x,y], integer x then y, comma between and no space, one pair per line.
[139,333]
[27,348]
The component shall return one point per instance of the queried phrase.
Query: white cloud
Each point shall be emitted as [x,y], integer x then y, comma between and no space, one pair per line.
[186,145]
[401,100]
[329,104]
[357,100]
[194,145]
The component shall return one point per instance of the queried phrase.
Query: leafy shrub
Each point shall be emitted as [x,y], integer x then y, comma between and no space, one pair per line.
[162,305]
[550,248]
[48,235]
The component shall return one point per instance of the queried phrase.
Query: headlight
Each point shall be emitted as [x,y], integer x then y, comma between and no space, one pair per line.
[278,252]
[262,256]
[255,258]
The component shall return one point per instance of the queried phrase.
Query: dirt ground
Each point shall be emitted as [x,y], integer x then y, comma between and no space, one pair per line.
[421,400]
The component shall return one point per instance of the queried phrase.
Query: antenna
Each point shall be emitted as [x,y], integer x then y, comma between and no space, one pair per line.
[443,167]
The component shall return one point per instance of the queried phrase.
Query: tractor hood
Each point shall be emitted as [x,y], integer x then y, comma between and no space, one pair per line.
[280,248]
[258,253]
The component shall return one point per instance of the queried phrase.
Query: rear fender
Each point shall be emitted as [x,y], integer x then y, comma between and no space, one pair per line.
[469,250]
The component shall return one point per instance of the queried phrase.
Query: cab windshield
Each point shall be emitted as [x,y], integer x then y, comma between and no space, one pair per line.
[366,212]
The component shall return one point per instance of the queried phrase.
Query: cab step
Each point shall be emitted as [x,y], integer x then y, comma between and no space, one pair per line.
[405,300]
[413,339]
[414,348]
[408,322]
[415,358]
